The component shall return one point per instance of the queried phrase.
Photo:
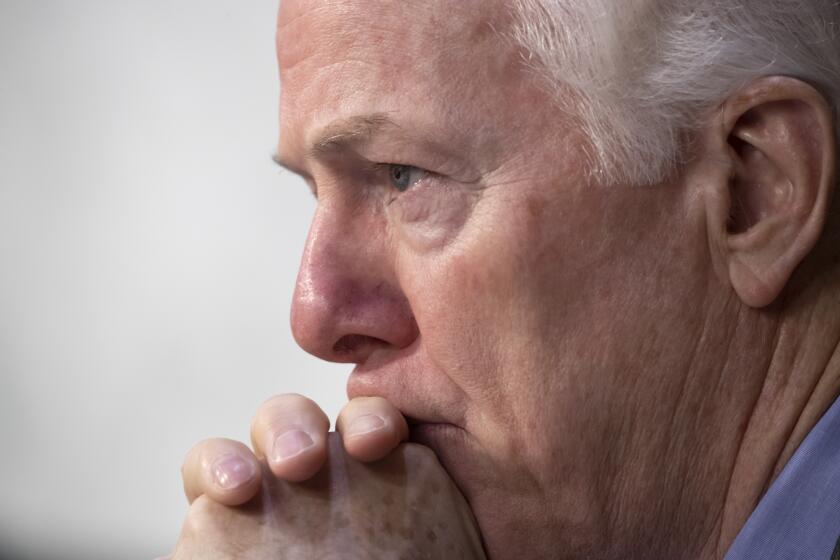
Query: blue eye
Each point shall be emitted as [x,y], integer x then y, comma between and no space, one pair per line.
[404,177]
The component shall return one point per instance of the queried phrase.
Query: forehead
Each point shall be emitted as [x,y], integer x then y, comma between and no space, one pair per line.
[364,25]
[339,58]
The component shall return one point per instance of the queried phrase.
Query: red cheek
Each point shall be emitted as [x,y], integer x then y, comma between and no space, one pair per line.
[468,278]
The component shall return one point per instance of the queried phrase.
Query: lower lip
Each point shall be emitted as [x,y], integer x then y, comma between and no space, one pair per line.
[423,432]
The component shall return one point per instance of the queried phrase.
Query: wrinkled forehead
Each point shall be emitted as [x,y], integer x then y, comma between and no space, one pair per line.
[382,28]
[377,55]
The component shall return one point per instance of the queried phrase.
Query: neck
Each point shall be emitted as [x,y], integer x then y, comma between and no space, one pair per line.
[801,382]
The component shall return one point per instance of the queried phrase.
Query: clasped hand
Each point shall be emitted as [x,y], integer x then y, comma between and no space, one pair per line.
[303,493]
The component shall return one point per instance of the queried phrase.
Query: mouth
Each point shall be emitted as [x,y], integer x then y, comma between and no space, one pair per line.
[411,382]
[431,404]
[445,440]
[431,434]
[448,441]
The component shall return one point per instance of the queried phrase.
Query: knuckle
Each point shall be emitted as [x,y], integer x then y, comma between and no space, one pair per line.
[286,400]
[280,406]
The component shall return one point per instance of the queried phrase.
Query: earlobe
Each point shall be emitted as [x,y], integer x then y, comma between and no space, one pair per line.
[780,142]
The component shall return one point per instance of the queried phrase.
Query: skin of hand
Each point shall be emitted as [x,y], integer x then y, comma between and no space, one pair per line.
[289,434]
[404,506]
[606,371]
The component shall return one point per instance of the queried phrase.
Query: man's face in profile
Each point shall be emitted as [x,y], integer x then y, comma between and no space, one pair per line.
[479,276]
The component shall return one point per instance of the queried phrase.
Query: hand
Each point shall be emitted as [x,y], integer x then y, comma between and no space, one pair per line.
[229,473]
[403,505]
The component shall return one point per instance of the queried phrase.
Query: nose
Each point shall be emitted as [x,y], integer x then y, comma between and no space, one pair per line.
[347,302]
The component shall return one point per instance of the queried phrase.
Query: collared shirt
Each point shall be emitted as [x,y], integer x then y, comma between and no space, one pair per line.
[799,516]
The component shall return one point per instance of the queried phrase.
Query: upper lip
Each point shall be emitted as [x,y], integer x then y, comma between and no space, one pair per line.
[403,379]
[378,384]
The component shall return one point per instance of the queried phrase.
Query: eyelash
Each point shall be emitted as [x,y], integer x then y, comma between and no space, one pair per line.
[385,169]
[382,171]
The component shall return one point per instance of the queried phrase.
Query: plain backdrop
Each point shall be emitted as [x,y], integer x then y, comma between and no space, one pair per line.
[148,252]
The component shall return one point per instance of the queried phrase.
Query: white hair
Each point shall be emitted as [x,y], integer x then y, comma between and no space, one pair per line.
[642,72]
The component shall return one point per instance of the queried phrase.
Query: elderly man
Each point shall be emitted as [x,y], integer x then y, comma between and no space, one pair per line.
[588,250]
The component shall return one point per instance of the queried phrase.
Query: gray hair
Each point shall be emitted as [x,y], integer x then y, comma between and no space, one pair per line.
[642,72]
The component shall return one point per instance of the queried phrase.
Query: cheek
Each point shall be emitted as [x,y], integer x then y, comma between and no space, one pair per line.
[473,298]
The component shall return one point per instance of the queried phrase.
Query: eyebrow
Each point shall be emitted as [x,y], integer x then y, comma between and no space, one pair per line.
[341,135]
[344,133]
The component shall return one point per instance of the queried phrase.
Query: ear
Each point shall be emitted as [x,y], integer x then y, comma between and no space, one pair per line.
[771,200]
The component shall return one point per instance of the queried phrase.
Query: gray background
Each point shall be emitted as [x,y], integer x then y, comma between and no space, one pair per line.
[148,250]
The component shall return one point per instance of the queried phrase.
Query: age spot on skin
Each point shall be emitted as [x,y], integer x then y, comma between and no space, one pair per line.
[536,207]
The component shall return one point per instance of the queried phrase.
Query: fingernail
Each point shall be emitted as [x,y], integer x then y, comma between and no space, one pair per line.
[232,471]
[291,443]
[365,424]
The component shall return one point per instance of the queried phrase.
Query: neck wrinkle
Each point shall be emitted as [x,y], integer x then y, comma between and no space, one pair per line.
[824,392]
[731,515]
[802,382]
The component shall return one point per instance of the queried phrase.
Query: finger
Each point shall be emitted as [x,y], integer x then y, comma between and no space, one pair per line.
[371,428]
[223,469]
[290,431]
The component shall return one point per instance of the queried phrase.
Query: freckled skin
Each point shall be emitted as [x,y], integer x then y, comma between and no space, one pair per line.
[350,510]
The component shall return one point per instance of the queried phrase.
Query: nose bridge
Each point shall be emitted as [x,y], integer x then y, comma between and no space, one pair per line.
[312,281]
[347,302]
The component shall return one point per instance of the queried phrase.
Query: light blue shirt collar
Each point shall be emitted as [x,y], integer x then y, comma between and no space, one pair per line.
[799,517]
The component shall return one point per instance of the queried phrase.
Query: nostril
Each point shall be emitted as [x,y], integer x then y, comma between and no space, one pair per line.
[357,344]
